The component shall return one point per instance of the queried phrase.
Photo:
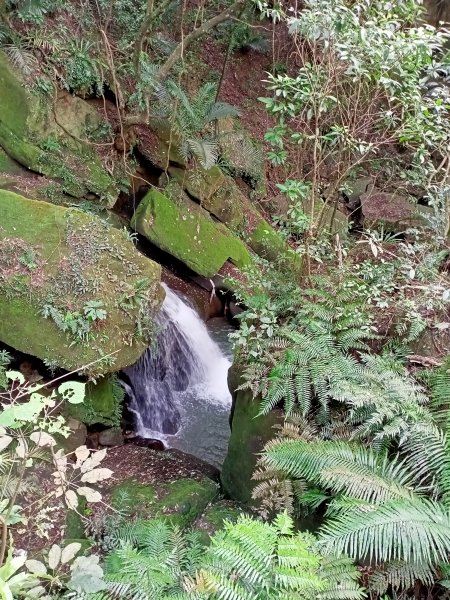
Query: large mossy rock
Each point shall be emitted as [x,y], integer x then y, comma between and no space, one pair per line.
[102,404]
[54,263]
[249,433]
[221,197]
[46,136]
[180,501]
[187,232]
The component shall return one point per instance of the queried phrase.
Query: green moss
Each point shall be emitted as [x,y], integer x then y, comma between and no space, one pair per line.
[28,121]
[102,403]
[77,258]
[180,501]
[249,433]
[188,233]
[75,527]
[8,165]
[213,518]
[223,199]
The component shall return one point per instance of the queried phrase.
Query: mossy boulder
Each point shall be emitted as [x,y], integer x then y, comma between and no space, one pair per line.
[180,501]
[102,403]
[222,198]
[187,232]
[158,144]
[9,166]
[72,288]
[47,136]
[249,433]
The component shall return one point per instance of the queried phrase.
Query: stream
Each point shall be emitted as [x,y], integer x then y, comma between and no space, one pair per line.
[178,389]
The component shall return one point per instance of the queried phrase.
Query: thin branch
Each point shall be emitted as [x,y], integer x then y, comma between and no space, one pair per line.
[177,53]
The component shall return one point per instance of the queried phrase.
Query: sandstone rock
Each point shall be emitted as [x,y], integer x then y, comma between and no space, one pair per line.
[54,262]
[188,233]
[45,135]
[249,433]
[102,404]
[77,437]
[395,211]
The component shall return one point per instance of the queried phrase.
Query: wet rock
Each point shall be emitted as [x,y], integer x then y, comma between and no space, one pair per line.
[44,135]
[249,433]
[188,233]
[111,437]
[180,501]
[394,211]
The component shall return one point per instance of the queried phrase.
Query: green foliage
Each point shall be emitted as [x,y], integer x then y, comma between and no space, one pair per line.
[190,119]
[359,89]
[77,324]
[248,559]
[390,508]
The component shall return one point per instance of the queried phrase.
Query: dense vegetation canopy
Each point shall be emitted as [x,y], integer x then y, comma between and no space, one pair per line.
[342,275]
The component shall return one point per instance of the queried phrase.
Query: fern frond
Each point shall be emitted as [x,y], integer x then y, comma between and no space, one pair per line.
[415,531]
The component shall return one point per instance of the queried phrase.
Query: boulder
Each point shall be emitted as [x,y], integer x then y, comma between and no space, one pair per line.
[187,232]
[102,403]
[158,144]
[72,288]
[249,433]
[394,211]
[77,436]
[180,501]
[215,515]
[47,136]
[223,199]
[111,437]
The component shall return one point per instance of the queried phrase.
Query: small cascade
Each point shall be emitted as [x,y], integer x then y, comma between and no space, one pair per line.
[178,389]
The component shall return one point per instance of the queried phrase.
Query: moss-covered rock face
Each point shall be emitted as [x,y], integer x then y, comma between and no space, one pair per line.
[187,232]
[249,432]
[102,403]
[46,136]
[223,199]
[72,288]
[180,501]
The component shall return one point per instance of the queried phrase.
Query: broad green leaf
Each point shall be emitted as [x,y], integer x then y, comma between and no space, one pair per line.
[54,556]
[15,416]
[96,475]
[42,438]
[5,441]
[90,494]
[71,499]
[15,376]
[73,391]
[93,461]
[36,567]
[82,453]
[69,552]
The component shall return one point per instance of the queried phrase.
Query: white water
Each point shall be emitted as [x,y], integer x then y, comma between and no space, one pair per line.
[178,391]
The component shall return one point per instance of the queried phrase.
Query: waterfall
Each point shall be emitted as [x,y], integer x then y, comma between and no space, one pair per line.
[181,379]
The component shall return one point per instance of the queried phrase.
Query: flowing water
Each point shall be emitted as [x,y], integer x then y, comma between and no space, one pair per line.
[178,390]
